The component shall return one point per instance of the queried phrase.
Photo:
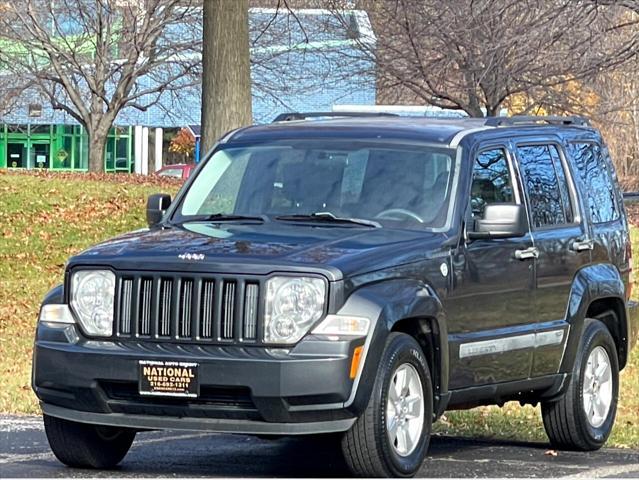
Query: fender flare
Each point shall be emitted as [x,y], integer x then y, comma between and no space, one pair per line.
[386,303]
[54,296]
[594,282]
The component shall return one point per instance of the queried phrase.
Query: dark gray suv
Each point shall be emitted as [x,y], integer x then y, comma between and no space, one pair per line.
[355,275]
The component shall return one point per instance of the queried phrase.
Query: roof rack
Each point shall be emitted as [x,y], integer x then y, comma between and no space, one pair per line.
[290,116]
[534,119]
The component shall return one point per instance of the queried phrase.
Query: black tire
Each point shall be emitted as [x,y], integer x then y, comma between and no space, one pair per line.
[566,420]
[366,446]
[87,446]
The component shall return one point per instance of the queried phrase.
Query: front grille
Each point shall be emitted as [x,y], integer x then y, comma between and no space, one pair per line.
[188,308]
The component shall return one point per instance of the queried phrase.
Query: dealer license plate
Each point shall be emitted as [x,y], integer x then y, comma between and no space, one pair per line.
[168,379]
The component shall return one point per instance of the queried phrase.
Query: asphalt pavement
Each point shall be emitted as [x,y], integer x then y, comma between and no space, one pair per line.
[24,452]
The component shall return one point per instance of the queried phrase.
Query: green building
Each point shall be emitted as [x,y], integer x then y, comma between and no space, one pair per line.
[61,147]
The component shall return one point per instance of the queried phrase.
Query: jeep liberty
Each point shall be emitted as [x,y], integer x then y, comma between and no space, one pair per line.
[356,275]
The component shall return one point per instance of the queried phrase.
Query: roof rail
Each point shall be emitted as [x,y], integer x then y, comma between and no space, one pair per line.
[533,119]
[290,116]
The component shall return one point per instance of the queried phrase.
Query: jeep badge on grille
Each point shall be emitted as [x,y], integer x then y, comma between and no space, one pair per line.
[191,256]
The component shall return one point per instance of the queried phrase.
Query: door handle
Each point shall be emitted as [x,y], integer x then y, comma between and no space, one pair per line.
[527,254]
[583,245]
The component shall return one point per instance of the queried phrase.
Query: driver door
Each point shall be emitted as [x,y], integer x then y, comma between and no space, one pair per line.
[490,312]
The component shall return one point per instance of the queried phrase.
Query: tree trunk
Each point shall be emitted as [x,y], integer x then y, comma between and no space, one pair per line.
[492,110]
[97,145]
[226,79]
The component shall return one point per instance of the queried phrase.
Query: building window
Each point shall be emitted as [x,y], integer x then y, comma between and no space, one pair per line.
[19,129]
[40,130]
[118,150]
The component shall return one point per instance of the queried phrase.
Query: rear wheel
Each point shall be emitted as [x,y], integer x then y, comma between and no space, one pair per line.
[391,437]
[87,446]
[583,418]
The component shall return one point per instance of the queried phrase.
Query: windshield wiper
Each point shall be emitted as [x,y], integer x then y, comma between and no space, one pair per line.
[329,218]
[223,217]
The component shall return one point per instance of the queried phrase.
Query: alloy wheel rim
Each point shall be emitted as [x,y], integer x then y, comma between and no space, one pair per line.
[405,410]
[597,387]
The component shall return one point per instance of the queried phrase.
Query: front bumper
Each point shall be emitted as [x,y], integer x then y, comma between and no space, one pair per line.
[150,422]
[242,389]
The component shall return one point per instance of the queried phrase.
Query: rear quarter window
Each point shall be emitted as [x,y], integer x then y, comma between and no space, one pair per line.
[591,163]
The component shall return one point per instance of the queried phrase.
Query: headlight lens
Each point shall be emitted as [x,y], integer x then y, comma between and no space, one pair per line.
[293,304]
[92,294]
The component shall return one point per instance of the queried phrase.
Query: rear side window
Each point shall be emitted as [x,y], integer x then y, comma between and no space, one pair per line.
[492,182]
[598,188]
[545,185]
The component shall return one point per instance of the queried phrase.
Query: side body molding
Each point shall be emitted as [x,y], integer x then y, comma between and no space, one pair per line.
[386,303]
[591,283]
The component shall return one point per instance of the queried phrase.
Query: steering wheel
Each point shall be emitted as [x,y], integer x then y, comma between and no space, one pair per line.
[387,214]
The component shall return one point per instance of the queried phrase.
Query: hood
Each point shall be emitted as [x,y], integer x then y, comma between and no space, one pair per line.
[334,251]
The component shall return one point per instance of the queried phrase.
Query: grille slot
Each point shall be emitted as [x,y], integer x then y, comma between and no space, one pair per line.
[208,305]
[164,314]
[144,311]
[228,312]
[125,306]
[194,308]
[186,307]
[251,300]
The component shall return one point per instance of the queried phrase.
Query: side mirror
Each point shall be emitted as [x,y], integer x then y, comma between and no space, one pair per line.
[156,205]
[501,220]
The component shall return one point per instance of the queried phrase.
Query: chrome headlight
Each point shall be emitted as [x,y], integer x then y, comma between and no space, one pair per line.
[92,294]
[293,305]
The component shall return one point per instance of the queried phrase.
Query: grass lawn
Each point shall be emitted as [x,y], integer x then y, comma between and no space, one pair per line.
[45,218]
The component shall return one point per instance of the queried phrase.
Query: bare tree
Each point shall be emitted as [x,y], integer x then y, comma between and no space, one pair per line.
[273,58]
[632,5]
[474,55]
[94,58]
[226,79]
[614,108]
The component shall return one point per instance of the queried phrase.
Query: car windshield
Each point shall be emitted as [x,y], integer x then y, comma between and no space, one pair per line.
[393,185]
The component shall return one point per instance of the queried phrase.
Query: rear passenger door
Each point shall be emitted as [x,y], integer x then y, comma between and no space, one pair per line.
[562,243]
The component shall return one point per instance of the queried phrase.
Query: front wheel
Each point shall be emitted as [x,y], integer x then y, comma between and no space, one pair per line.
[583,418]
[87,446]
[391,437]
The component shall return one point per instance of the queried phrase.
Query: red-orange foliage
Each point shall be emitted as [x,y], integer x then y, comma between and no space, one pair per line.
[183,143]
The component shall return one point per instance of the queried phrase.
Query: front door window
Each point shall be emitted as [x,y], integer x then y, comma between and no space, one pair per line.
[491,181]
